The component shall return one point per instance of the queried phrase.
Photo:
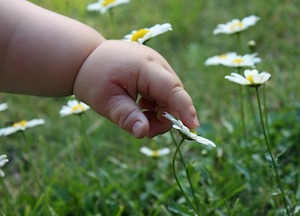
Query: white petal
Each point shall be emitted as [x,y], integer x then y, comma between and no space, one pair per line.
[160,29]
[237,75]
[147,151]
[144,38]
[65,111]
[94,6]
[261,78]
[3,106]
[164,151]
[7,131]
[250,20]
[2,157]
[3,162]
[265,76]
[239,80]
[248,73]
[171,118]
[1,173]
[205,141]
[72,103]
[34,122]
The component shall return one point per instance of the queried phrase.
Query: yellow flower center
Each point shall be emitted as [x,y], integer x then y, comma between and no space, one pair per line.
[238,60]
[237,24]
[193,131]
[223,56]
[20,124]
[77,107]
[107,2]
[139,34]
[155,153]
[250,78]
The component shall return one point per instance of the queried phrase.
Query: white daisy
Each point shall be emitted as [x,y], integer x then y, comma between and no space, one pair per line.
[236,25]
[251,78]
[3,160]
[154,153]
[104,5]
[234,60]
[21,126]
[186,132]
[3,106]
[142,35]
[219,59]
[73,107]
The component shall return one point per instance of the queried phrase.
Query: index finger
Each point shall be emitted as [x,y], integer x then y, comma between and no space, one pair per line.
[164,87]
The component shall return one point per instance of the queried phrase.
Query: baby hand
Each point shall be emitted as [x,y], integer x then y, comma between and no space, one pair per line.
[131,85]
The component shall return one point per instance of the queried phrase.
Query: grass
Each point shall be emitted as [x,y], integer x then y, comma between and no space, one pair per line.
[133,184]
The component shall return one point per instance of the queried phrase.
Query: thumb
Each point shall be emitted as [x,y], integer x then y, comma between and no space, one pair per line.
[123,110]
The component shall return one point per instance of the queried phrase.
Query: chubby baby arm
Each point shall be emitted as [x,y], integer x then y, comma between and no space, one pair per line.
[131,85]
[41,51]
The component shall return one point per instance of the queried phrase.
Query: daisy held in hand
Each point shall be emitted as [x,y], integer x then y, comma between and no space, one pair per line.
[145,34]
[188,134]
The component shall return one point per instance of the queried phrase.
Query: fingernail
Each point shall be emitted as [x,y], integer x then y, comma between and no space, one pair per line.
[137,128]
[196,121]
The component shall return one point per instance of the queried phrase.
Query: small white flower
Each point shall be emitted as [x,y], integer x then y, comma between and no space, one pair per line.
[3,106]
[234,60]
[104,5]
[251,78]
[73,107]
[186,132]
[219,59]
[142,35]
[251,43]
[154,153]
[236,25]
[20,126]
[3,160]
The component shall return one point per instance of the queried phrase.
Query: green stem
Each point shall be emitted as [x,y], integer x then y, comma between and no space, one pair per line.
[252,108]
[177,180]
[265,111]
[187,175]
[35,173]
[87,146]
[238,43]
[242,110]
[270,152]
